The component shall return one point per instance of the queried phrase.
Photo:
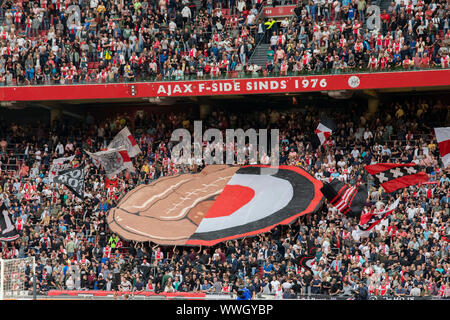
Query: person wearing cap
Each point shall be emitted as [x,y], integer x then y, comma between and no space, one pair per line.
[100,283]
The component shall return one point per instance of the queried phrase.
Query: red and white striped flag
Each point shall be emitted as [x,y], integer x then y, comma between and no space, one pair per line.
[125,139]
[443,140]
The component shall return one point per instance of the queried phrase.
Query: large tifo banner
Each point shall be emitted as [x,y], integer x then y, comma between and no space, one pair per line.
[220,203]
[229,86]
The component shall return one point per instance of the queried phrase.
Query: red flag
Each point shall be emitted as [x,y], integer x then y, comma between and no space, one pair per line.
[111,182]
[392,176]
[338,245]
[125,156]
[366,217]
[133,142]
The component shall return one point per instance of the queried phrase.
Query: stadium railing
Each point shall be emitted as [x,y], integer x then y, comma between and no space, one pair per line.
[146,295]
[241,74]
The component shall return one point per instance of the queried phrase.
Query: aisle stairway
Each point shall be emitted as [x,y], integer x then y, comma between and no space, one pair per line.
[259,56]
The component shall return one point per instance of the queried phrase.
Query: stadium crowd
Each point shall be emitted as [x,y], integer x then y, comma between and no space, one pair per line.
[51,42]
[405,255]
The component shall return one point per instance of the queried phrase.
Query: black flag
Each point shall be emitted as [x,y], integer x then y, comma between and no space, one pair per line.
[346,199]
[8,231]
[73,179]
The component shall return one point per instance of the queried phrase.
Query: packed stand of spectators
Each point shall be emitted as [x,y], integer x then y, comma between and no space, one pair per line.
[405,255]
[43,42]
[338,36]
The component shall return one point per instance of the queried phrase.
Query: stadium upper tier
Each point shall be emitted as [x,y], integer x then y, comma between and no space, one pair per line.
[74,42]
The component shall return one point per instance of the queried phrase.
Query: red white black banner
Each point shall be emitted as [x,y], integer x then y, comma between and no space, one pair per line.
[370,219]
[394,176]
[443,140]
[254,202]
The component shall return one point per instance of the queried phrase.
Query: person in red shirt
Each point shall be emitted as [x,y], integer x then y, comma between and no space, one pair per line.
[342,41]
[379,42]
[373,63]
[215,71]
[207,69]
[17,16]
[385,17]
[425,61]
[383,60]
[407,63]
[159,256]
[28,26]
[358,46]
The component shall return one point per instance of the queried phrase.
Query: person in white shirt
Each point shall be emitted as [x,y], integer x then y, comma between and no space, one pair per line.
[251,19]
[355,153]
[172,26]
[94,4]
[274,39]
[37,155]
[275,284]
[367,134]
[69,147]
[411,211]
[186,13]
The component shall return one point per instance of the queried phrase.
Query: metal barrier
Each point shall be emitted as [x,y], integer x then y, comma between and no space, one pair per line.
[116,295]
[99,295]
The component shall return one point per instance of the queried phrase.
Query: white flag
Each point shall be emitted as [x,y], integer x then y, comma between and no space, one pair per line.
[443,140]
[113,160]
[125,138]
[59,165]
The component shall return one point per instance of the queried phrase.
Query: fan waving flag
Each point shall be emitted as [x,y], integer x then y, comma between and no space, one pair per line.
[370,219]
[125,139]
[8,231]
[73,179]
[443,140]
[346,199]
[394,176]
[307,261]
[325,129]
[113,161]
